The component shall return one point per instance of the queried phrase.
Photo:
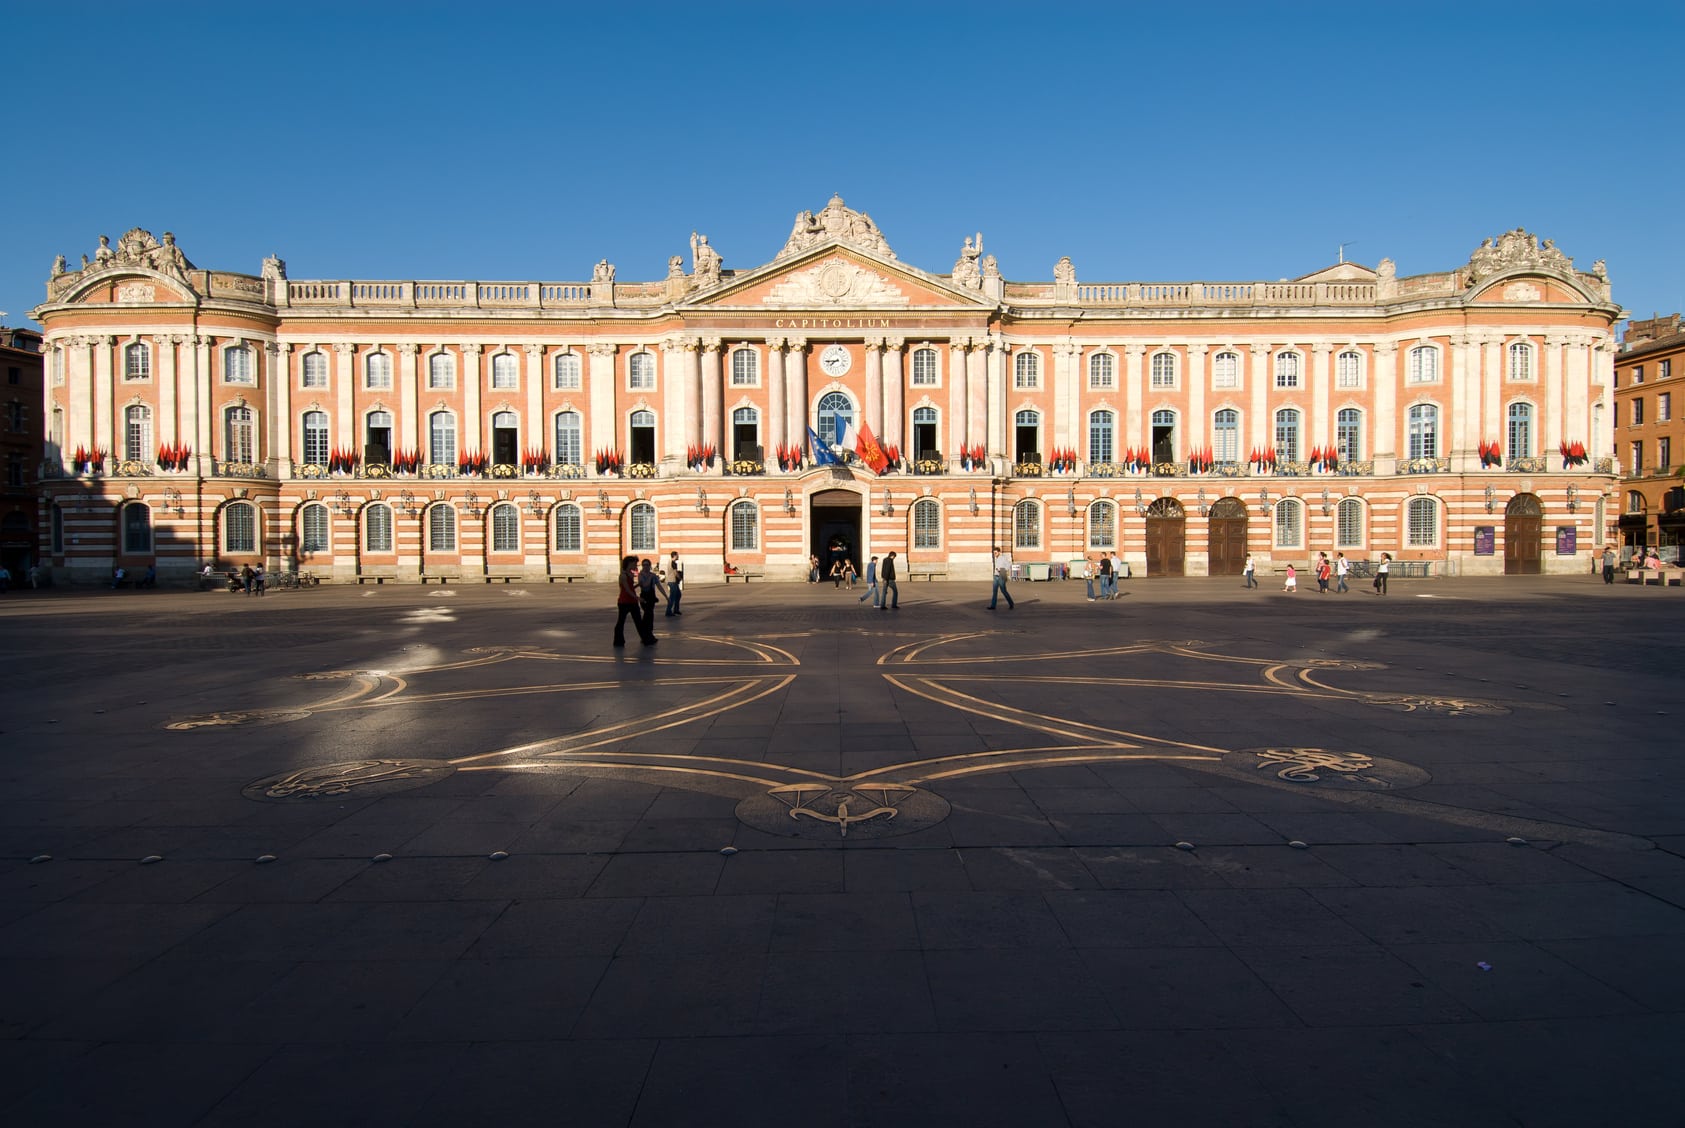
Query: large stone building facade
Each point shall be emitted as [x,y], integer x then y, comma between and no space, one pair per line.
[483,431]
[1650,436]
[21,436]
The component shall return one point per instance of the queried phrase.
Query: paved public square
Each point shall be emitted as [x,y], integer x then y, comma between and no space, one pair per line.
[1196,856]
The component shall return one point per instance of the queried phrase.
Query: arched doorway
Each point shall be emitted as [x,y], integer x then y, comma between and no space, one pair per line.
[1227,543]
[1523,518]
[834,520]
[1166,537]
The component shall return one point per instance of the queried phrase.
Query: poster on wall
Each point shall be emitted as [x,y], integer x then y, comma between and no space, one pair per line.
[1485,539]
[1565,539]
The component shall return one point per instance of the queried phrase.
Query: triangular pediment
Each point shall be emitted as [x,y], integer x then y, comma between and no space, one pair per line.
[835,275]
[1340,272]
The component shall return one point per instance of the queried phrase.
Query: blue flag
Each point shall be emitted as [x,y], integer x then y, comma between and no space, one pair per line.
[822,455]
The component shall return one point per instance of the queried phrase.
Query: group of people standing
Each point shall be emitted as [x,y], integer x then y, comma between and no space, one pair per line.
[641,587]
[881,587]
[1105,572]
[1325,571]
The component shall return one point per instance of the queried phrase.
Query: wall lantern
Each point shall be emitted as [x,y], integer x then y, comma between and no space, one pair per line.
[471,500]
[1140,506]
[1204,508]
[406,501]
[172,500]
[1263,501]
[1573,498]
[888,509]
[974,501]
[1070,500]
[1490,496]
[535,504]
[701,500]
[343,504]
[602,502]
[789,502]
[1326,508]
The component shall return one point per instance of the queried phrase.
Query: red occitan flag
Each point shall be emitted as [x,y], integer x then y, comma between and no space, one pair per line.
[869,451]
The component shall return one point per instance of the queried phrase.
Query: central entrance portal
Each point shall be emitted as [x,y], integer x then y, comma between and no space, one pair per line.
[834,525]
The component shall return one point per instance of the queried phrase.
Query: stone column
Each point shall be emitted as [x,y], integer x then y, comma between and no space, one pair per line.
[1132,391]
[1577,389]
[977,393]
[1554,429]
[1259,424]
[958,429]
[774,431]
[712,391]
[675,374]
[894,394]
[103,394]
[473,427]
[601,424]
[873,410]
[795,398]
[202,423]
[997,405]
[1491,392]
[164,345]
[535,433]
[1322,388]
[280,422]
[1463,423]
[1385,426]
[79,389]
[407,428]
[691,359]
[347,434]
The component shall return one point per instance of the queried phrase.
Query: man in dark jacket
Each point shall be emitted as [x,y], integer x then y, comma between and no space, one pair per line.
[891,593]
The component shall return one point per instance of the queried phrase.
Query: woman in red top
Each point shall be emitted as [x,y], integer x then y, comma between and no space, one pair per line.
[627,604]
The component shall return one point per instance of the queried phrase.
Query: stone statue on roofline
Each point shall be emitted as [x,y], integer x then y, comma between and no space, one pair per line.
[966,270]
[705,260]
[836,223]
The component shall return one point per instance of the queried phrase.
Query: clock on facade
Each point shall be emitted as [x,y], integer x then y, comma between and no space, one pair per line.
[835,361]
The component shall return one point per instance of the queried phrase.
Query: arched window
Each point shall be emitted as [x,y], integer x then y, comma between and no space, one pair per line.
[1026,371]
[1164,370]
[505,528]
[1102,371]
[924,368]
[570,439]
[640,371]
[1348,369]
[1026,436]
[1424,365]
[927,523]
[377,527]
[441,371]
[1287,370]
[1520,361]
[745,527]
[377,439]
[1422,522]
[315,446]
[641,447]
[1164,435]
[441,434]
[137,529]
[313,528]
[137,432]
[1026,524]
[1424,431]
[570,528]
[567,372]
[237,365]
[1102,525]
[746,434]
[1287,434]
[1634,501]
[1521,430]
[441,528]
[1225,370]
[1100,434]
[239,435]
[1348,434]
[924,432]
[642,520]
[1225,433]
[505,438]
[1348,524]
[239,527]
[836,414]
[505,372]
[313,370]
[377,371]
[137,362]
[745,368]
[1289,523]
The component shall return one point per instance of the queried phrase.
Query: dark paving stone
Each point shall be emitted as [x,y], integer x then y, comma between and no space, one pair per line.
[1015,989]
[1376,988]
[1504,981]
[1183,989]
[832,922]
[1156,1077]
[696,925]
[1267,918]
[845,992]
[142,1083]
[674,996]
[914,1079]
[985,920]
[1145,918]
[326,1084]
[704,1081]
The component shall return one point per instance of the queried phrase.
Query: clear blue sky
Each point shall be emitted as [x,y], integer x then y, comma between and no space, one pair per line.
[1159,142]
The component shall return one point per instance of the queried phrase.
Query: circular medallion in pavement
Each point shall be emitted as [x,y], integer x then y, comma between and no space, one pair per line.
[1323,767]
[234,718]
[359,778]
[1429,703]
[841,811]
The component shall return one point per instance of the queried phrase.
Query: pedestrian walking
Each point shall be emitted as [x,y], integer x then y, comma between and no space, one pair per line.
[1292,582]
[626,603]
[1088,572]
[1381,573]
[675,584]
[1250,571]
[891,593]
[872,591]
[1003,572]
[650,589]
[1342,569]
[1323,572]
[1108,578]
[260,582]
[1608,563]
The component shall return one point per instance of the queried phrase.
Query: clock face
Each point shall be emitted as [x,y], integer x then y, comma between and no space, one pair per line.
[835,361]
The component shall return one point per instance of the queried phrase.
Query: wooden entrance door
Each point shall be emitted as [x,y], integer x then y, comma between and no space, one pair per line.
[1227,543]
[1166,538]
[1523,517]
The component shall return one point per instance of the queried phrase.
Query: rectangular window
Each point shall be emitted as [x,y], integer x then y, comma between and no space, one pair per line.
[1424,365]
[1348,370]
[640,371]
[505,373]
[378,522]
[314,371]
[1164,370]
[1664,369]
[240,528]
[1102,525]
[924,368]
[1638,374]
[744,369]
[1423,531]
[567,372]
[569,531]
[379,371]
[1287,370]
[1664,454]
[1664,407]
[1225,370]
[927,524]
[441,529]
[1102,371]
[1026,525]
[1637,457]
[1348,524]
[745,531]
[57,366]
[1637,411]
[237,366]
[315,537]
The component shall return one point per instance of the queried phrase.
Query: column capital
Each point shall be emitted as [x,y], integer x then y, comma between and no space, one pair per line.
[874,343]
[471,351]
[1134,351]
[344,349]
[533,351]
[895,343]
[407,348]
[796,344]
[1322,348]
[1385,348]
[712,344]
[601,348]
[775,343]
